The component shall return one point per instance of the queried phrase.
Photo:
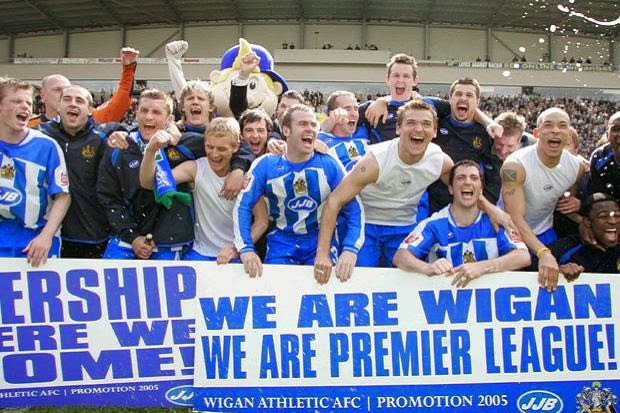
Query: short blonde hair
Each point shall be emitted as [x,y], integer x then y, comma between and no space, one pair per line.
[224,127]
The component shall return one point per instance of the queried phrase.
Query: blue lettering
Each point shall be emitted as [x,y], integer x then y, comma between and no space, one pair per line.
[586,299]
[16,368]
[216,351]
[380,353]
[268,359]
[489,344]
[150,361]
[129,336]
[508,348]
[90,308]
[261,309]
[460,345]
[436,309]
[183,331]
[508,309]
[382,305]
[529,351]
[439,350]
[75,363]
[338,352]
[553,303]
[351,304]
[234,315]
[552,357]
[314,308]
[127,292]
[308,354]
[44,288]
[70,335]
[405,355]
[6,336]
[484,306]
[289,347]
[576,355]
[151,292]
[8,296]
[29,336]
[595,344]
[361,347]
[180,285]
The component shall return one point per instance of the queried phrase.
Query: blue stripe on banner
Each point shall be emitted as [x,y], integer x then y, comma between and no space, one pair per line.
[533,397]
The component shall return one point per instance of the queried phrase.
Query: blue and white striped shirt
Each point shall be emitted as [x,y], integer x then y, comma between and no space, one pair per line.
[31,171]
[439,237]
[295,193]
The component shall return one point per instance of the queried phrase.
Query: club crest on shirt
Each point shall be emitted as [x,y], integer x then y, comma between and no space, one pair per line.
[247,181]
[476,142]
[88,152]
[412,238]
[468,257]
[173,154]
[353,152]
[7,171]
[443,131]
[300,185]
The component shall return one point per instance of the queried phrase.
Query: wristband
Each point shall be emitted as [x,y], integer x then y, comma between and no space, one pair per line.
[542,251]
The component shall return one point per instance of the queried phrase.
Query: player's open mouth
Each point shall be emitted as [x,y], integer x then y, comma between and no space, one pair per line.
[73,114]
[400,90]
[611,235]
[256,146]
[417,139]
[195,111]
[309,140]
[554,143]
[149,129]
[462,109]
[467,193]
[23,117]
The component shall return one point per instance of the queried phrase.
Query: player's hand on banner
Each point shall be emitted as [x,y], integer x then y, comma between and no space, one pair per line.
[548,271]
[38,249]
[226,254]
[464,273]
[571,271]
[345,265]
[441,266]
[252,264]
[322,268]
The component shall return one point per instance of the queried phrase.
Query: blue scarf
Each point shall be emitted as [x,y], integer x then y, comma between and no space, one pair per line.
[165,186]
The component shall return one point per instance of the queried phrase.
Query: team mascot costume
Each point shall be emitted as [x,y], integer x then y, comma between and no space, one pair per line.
[261,90]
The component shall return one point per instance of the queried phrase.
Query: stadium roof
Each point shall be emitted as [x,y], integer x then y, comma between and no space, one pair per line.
[30,16]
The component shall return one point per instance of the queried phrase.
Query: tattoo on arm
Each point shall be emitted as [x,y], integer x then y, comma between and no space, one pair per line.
[363,169]
[509,175]
[510,192]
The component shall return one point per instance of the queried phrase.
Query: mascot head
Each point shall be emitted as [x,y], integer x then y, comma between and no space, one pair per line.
[264,87]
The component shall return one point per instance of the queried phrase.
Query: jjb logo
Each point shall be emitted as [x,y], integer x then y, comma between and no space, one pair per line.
[302,203]
[181,395]
[9,196]
[540,401]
